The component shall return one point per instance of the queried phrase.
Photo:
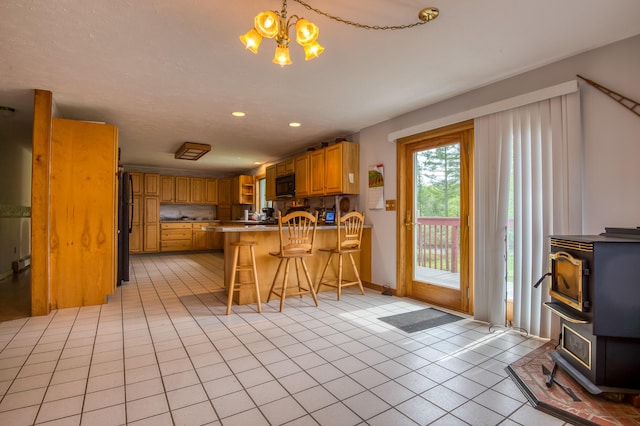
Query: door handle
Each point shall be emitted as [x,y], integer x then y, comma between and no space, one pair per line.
[408,223]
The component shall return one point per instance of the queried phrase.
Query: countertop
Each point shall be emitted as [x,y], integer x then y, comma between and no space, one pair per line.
[187,220]
[258,227]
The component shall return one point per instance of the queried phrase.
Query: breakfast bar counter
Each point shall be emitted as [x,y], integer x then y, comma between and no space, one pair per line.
[267,240]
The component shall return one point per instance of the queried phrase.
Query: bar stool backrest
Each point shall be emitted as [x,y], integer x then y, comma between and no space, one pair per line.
[297,233]
[350,231]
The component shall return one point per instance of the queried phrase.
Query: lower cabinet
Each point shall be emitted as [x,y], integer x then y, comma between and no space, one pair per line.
[199,241]
[207,240]
[184,236]
[175,236]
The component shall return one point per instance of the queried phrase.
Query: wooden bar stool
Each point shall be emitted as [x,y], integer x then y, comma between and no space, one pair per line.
[297,232]
[349,234]
[237,268]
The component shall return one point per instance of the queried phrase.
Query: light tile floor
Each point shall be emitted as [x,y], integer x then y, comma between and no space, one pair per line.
[162,352]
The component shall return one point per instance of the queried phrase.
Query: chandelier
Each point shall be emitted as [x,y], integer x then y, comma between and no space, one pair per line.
[273,24]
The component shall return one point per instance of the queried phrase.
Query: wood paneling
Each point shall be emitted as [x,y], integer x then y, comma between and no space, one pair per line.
[83,213]
[40,283]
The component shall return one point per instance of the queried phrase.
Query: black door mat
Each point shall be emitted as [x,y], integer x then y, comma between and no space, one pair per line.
[419,320]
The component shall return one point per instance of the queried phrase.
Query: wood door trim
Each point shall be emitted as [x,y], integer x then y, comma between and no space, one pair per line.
[40,164]
[404,285]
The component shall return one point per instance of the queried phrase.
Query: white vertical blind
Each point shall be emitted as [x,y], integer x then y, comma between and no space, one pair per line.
[541,143]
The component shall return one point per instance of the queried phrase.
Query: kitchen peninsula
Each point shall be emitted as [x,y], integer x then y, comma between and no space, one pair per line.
[267,239]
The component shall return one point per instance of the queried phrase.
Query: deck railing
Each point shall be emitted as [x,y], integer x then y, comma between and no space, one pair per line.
[438,242]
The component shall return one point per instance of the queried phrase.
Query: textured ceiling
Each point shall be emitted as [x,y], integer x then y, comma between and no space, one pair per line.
[166,72]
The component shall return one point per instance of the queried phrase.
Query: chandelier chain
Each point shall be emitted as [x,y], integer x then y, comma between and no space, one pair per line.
[358,25]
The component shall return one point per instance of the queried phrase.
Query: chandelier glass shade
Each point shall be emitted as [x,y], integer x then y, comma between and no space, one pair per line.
[275,25]
[272,24]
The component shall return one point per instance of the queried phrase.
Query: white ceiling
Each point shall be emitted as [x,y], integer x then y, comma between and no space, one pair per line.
[169,71]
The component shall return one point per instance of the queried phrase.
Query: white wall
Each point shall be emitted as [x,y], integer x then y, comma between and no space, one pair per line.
[611,137]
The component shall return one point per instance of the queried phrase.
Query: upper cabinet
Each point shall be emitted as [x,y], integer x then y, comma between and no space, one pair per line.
[182,189]
[316,172]
[188,190]
[167,192]
[242,190]
[198,190]
[152,184]
[302,175]
[211,191]
[136,182]
[286,167]
[224,191]
[342,168]
[270,176]
[335,170]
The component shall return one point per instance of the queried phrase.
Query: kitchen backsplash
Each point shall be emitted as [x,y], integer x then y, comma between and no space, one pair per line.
[187,211]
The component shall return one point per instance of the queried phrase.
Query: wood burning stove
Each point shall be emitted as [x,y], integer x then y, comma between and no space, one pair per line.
[595,290]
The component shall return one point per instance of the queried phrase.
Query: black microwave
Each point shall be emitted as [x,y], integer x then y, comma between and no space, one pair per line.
[286,186]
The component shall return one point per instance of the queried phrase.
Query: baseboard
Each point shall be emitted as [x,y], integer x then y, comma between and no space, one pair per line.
[379,288]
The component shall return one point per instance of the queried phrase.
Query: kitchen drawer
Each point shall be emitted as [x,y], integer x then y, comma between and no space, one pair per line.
[176,225]
[175,234]
[197,226]
[175,245]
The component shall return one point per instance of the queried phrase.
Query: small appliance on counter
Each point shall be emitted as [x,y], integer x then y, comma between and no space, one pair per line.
[330,217]
[268,215]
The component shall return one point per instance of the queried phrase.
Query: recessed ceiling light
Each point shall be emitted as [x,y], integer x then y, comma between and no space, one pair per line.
[294,124]
[238,114]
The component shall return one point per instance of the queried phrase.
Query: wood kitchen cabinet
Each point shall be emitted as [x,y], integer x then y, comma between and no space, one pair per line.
[215,240]
[135,236]
[224,191]
[211,191]
[224,199]
[270,189]
[207,240]
[342,169]
[199,237]
[302,176]
[286,167]
[316,175]
[198,191]
[182,189]
[335,170]
[152,184]
[83,213]
[242,190]
[176,236]
[167,191]
[136,182]
[151,225]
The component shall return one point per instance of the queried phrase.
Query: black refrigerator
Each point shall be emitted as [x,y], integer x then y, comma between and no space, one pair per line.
[125,216]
